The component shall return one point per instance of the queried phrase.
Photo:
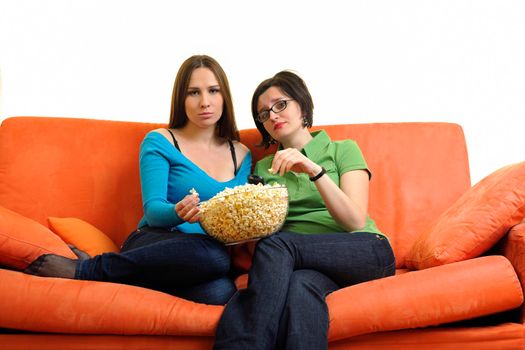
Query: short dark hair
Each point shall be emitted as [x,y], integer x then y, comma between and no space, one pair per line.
[292,86]
[226,125]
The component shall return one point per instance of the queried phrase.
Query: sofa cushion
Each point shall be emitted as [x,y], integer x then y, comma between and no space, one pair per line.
[22,240]
[513,247]
[438,295]
[416,299]
[475,222]
[82,235]
[61,305]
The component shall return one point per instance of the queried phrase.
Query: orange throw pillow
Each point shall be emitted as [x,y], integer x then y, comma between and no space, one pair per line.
[82,235]
[22,240]
[478,219]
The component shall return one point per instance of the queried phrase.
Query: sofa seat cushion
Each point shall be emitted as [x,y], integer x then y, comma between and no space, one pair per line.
[58,305]
[502,336]
[429,297]
[416,299]
[22,240]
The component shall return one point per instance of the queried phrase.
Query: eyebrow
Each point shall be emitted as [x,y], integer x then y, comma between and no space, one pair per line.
[209,87]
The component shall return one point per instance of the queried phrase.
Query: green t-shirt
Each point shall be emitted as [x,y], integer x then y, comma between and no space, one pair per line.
[307,210]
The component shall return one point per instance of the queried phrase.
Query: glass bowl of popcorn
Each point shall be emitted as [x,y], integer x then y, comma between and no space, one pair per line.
[245,212]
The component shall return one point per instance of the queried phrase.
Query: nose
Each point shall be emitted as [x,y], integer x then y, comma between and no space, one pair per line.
[272,115]
[205,101]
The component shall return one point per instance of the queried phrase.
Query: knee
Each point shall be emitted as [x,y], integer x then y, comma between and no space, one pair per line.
[302,279]
[220,291]
[308,285]
[216,292]
[274,243]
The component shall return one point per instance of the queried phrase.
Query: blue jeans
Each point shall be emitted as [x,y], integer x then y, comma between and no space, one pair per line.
[191,266]
[284,305]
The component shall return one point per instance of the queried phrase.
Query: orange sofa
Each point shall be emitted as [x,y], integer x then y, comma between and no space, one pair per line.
[460,250]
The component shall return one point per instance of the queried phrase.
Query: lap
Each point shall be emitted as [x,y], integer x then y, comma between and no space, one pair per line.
[347,258]
[145,236]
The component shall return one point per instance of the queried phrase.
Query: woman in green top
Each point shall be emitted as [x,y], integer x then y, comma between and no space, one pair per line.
[328,240]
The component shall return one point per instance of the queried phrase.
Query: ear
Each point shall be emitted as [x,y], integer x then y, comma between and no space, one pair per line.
[306,124]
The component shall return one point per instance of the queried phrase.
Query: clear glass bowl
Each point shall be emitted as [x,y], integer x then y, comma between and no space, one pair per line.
[245,213]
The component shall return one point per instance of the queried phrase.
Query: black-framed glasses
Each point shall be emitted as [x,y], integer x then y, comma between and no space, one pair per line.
[277,107]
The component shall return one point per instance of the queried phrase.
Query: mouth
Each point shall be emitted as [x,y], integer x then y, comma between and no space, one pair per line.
[277,126]
[206,114]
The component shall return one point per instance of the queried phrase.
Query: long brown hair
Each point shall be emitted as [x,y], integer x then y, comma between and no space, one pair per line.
[226,125]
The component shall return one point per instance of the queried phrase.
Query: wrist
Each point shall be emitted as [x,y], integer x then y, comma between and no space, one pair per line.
[318,175]
[316,169]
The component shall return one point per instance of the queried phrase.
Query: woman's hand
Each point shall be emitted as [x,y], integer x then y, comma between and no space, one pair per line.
[187,209]
[347,204]
[291,159]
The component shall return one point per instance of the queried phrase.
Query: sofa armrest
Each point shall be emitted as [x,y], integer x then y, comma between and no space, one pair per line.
[513,248]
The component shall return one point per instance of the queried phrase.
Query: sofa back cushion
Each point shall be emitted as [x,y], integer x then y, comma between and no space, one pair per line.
[88,169]
[418,171]
[69,167]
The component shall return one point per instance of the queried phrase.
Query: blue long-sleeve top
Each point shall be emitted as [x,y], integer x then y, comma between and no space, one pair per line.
[167,176]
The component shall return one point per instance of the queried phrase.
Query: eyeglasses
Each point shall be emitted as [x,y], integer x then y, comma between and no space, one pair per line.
[277,107]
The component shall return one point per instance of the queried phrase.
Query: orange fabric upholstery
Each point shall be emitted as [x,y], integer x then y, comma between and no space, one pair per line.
[505,336]
[22,240]
[407,190]
[111,308]
[434,296]
[73,168]
[513,247]
[104,342]
[88,169]
[475,222]
[82,235]
[97,307]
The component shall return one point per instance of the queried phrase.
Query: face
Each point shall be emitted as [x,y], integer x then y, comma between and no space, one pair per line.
[204,101]
[283,124]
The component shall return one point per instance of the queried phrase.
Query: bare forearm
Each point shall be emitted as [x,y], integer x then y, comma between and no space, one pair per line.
[343,209]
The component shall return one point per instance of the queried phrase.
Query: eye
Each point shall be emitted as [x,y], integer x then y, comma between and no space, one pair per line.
[214,90]
[193,92]
[263,115]
[279,106]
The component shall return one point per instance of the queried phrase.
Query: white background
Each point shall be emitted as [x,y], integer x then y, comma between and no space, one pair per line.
[364,61]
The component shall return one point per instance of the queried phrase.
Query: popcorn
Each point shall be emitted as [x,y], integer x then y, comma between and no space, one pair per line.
[245,212]
[194,192]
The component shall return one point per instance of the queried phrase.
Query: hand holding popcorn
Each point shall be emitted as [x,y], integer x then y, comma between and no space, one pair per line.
[187,209]
[291,159]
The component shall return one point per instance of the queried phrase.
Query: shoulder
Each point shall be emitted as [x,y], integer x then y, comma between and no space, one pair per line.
[240,149]
[159,132]
[347,145]
[158,139]
[348,156]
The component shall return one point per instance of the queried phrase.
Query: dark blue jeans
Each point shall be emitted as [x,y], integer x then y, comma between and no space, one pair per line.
[284,305]
[191,266]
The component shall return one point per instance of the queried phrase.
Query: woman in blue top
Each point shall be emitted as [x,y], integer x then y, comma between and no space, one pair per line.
[196,157]
[328,240]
